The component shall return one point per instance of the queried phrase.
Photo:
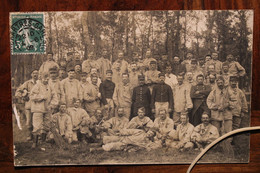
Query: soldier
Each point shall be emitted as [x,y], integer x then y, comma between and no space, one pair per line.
[187,61]
[217,102]
[50,63]
[177,67]
[90,63]
[163,126]
[94,72]
[117,75]
[71,88]
[42,101]
[24,92]
[151,76]
[211,81]
[114,125]
[80,122]
[237,102]
[162,96]
[63,123]
[148,59]
[77,69]
[181,138]
[199,94]
[122,95]
[55,86]
[122,63]
[141,98]
[107,90]
[92,96]
[170,78]
[136,134]
[194,68]
[214,61]
[225,74]
[182,100]
[133,75]
[104,65]
[204,133]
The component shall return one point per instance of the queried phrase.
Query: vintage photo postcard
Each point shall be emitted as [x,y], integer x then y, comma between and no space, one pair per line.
[130,87]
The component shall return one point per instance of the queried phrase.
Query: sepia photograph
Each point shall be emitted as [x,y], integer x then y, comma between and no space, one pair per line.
[130,87]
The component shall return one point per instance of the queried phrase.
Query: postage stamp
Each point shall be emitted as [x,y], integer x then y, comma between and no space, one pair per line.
[27,33]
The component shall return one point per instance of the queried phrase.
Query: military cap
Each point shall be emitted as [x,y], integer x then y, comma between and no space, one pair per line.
[141,77]
[233,78]
[161,74]
[152,62]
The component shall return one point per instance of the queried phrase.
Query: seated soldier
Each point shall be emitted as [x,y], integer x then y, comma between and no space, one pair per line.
[114,125]
[181,138]
[163,126]
[137,134]
[204,133]
[96,127]
[62,124]
[80,122]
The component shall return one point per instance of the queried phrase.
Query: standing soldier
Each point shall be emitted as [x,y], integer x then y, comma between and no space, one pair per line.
[170,78]
[187,61]
[24,92]
[141,98]
[116,77]
[42,101]
[177,67]
[122,63]
[104,65]
[133,75]
[151,76]
[148,59]
[182,100]
[235,69]
[92,96]
[71,88]
[225,74]
[199,94]
[162,97]
[122,95]
[90,63]
[55,86]
[107,90]
[217,102]
[50,63]
[214,61]
[237,102]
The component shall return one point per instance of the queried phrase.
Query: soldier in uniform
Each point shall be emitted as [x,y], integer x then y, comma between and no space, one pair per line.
[204,133]
[199,94]
[181,139]
[23,92]
[92,96]
[50,63]
[141,98]
[71,88]
[106,89]
[42,101]
[122,95]
[162,96]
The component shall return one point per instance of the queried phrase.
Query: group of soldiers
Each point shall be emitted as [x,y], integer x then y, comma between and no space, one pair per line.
[147,103]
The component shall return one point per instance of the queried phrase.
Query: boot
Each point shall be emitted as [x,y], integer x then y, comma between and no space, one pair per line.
[35,141]
[43,137]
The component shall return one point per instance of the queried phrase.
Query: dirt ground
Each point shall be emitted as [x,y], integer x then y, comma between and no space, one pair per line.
[50,154]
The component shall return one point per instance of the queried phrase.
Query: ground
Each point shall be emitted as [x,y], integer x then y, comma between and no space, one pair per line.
[50,154]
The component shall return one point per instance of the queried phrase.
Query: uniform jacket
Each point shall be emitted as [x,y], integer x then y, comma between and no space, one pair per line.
[162,93]
[181,97]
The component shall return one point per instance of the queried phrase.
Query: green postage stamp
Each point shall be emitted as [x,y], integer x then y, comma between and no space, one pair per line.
[27,33]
